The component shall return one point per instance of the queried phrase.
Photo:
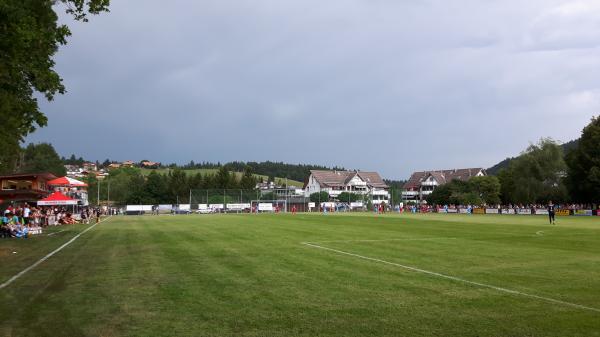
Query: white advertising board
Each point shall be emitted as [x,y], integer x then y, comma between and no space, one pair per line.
[165,207]
[311,205]
[215,206]
[492,211]
[508,211]
[138,208]
[238,207]
[524,211]
[265,206]
[463,211]
[184,207]
[57,202]
[202,206]
[452,210]
[541,211]
[357,204]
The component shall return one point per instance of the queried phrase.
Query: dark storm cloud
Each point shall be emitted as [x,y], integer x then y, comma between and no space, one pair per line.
[393,86]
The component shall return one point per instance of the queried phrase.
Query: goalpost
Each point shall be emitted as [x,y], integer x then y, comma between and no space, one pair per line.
[268,206]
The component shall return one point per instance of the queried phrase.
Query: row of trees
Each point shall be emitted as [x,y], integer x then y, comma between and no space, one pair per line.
[35,158]
[129,186]
[543,172]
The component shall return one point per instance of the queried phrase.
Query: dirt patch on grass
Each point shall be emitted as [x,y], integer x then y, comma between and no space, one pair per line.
[5,252]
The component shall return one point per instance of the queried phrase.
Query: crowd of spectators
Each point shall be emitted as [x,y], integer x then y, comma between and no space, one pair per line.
[502,208]
[20,221]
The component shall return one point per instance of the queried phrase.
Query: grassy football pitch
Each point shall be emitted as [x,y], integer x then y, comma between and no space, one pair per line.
[307,275]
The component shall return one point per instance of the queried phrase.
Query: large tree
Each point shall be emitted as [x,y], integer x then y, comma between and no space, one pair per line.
[42,158]
[583,179]
[248,180]
[29,38]
[536,175]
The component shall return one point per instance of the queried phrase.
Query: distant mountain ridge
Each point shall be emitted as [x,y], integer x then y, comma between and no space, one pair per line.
[494,170]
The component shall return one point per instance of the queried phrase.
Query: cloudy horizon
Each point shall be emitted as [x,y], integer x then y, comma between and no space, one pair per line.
[389,86]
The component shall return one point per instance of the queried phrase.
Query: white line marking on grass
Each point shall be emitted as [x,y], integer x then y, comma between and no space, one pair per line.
[454,278]
[60,231]
[539,233]
[383,240]
[14,278]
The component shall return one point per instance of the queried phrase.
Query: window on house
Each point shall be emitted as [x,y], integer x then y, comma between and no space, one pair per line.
[17,184]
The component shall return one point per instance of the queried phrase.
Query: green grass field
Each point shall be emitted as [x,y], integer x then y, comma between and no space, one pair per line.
[254,275]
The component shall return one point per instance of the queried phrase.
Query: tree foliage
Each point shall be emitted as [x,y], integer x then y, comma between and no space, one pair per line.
[476,191]
[42,157]
[348,197]
[583,163]
[536,176]
[319,197]
[30,35]
[248,181]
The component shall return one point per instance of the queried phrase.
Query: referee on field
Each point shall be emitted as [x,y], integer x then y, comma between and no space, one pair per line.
[551,213]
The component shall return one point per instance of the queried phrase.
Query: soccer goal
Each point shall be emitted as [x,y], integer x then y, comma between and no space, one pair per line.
[268,206]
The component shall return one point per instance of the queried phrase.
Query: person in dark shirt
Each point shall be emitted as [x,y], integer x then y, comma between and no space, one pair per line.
[551,213]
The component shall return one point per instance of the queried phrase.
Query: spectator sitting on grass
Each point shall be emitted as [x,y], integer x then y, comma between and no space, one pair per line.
[67,219]
[4,230]
[15,227]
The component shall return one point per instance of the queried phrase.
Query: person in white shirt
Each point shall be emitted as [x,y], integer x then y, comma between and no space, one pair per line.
[26,214]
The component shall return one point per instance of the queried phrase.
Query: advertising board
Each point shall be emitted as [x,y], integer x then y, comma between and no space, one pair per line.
[237,207]
[583,212]
[265,206]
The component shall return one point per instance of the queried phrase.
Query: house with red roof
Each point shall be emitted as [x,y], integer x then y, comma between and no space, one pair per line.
[423,183]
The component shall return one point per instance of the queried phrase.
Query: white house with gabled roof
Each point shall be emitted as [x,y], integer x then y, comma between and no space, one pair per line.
[358,182]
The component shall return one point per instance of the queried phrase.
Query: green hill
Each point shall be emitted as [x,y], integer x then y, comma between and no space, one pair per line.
[204,171]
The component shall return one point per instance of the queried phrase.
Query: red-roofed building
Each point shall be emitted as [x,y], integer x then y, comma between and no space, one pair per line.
[421,184]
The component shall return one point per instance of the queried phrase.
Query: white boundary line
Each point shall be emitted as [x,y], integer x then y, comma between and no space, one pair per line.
[60,231]
[24,271]
[454,278]
[383,240]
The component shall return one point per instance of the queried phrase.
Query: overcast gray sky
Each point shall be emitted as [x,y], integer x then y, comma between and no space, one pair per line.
[387,85]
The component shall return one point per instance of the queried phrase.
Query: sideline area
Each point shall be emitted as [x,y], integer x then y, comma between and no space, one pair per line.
[47,256]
